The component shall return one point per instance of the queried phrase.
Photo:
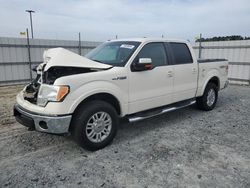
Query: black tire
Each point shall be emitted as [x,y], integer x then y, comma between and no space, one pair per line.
[81,118]
[202,102]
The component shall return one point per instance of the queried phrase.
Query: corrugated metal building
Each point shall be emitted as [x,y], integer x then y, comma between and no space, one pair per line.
[14,58]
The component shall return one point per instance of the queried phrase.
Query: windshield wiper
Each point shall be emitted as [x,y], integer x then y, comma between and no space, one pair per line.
[97,60]
[102,62]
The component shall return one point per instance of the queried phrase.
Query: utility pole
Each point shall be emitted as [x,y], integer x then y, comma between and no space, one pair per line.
[79,47]
[31,24]
[29,56]
[200,47]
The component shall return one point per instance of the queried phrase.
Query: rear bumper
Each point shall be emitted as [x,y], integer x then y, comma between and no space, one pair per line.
[49,124]
[226,84]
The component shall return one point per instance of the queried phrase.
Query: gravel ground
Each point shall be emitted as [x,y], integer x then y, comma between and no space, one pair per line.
[185,148]
[7,100]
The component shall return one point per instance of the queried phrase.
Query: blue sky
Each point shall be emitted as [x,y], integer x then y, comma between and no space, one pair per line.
[100,20]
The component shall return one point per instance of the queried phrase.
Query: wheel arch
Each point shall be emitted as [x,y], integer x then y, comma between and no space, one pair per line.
[103,96]
[215,80]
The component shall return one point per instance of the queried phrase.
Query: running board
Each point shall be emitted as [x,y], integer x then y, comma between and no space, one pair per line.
[155,112]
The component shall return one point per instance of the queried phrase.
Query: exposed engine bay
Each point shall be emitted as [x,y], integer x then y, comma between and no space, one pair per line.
[49,77]
[31,90]
[53,73]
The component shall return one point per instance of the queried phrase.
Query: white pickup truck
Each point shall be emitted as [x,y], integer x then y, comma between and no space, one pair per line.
[131,78]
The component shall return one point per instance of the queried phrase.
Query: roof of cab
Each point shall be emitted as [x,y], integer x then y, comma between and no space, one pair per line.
[150,40]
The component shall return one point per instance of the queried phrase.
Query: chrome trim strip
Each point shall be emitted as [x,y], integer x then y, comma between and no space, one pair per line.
[165,110]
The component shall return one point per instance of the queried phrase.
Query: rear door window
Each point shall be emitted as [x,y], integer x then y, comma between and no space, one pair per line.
[181,53]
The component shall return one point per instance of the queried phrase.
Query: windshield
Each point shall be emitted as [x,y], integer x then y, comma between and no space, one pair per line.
[113,53]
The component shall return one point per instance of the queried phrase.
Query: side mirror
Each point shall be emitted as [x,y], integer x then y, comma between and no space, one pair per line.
[142,64]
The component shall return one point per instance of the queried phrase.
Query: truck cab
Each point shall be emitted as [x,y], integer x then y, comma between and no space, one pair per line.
[129,78]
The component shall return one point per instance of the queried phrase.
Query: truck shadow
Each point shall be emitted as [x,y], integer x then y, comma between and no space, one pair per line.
[128,131]
[175,119]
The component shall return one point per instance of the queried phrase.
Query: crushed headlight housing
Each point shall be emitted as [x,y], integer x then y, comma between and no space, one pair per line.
[50,93]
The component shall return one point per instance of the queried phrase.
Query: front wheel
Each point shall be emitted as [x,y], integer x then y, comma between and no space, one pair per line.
[209,98]
[94,125]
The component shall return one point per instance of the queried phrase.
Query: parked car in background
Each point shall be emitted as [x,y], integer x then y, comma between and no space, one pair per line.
[131,78]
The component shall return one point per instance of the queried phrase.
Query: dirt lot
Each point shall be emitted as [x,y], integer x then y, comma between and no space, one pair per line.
[185,148]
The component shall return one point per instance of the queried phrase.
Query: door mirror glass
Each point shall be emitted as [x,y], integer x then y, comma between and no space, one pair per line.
[145,60]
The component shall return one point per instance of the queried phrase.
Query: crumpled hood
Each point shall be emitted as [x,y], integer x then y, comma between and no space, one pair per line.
[62,57]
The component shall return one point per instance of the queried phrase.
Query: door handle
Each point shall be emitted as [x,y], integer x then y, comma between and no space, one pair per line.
[203,72]
[170,73]
[194,70]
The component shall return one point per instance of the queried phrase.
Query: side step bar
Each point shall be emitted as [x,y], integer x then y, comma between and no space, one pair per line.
[151,113]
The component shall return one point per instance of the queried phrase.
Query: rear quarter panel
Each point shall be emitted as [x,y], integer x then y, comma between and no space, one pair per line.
[210,70]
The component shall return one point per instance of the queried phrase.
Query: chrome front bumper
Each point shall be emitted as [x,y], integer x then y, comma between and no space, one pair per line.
[49,124]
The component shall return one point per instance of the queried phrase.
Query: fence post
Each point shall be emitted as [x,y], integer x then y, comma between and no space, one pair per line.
[28,47]
[79,38]
[200,47]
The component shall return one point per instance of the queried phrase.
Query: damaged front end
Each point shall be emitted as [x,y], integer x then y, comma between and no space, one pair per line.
[48,78]
[57,64]
[30,92]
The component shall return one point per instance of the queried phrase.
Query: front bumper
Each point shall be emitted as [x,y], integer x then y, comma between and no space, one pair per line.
[49,124]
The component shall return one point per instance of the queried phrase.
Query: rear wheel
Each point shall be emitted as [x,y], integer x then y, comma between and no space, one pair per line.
[94,125]
[209,98]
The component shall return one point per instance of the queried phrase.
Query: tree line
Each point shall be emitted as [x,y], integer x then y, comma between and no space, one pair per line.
[225,38]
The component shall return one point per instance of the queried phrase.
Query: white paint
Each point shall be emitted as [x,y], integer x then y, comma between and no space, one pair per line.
[66,58]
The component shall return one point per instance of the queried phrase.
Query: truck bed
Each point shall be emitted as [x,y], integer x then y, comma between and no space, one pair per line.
[218,67]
